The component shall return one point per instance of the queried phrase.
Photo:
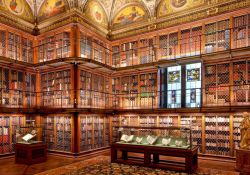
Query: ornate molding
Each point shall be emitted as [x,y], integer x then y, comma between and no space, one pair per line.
[177,19]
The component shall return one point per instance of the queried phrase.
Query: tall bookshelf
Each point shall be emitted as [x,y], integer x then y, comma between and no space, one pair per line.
[129,90]
[116,56]
[217,36]
[5,86]
[30,84]
[16,121]
[195,123]
[148,90]
[94,132]
[116,91]
[63,133]
[241,27]
[53,47]
[129,53]
[217,135]
[49,132]
[2,43]
[168,46]
[147,50]
[27,50]
[237,118]
[58,132]
[217,81]
[5,135]
[56,88]
[190,41]
[93,90]
[17,85]
[14,42]
[85,46]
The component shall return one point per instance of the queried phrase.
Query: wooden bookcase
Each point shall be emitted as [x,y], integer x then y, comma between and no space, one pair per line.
[217,82]
[94,89]
[8,125]
[56,88]
[168,46]
[58,131]
[94,132]
[54,46]
[241,27]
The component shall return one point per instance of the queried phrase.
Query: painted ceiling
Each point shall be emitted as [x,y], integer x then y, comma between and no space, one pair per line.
[105,12]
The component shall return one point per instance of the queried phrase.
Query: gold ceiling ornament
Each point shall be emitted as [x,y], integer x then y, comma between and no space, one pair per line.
[245,131]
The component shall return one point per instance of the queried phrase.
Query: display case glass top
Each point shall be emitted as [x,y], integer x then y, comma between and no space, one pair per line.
[171,137]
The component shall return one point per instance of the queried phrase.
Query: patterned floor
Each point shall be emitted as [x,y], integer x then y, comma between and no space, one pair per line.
[101,166]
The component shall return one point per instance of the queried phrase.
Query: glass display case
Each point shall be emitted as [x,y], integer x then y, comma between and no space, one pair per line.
[30,134]
[170,137]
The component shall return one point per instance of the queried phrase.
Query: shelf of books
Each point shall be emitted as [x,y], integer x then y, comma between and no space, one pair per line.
[19,48]
[217,135]
[147,50]
[195,123]
[17,85]
[94,132]
[116,91]
[30,85]
[85,46]
[148,90]
[217,36]
[53,47]
[190,41]
[115,121]
[2,43]
[93,90]
[241,27]
[101,52]
[129,91]
[116,56]
[241,89]
[14,42]
[168,46]
[5,86]
[5,135]
[129,54]
[237,119]
[58,132]
[217,82]
[56,88]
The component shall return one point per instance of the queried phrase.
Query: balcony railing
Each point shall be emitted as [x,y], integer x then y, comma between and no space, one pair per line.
[236,95]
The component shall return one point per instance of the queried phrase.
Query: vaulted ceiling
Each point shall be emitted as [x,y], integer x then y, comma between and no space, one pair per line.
[106,12]
[112,15]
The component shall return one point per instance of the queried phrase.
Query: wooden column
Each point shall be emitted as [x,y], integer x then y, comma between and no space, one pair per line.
[76,134]
[203,143]
[231,139]
[38,90]
[203,39]
[36,51]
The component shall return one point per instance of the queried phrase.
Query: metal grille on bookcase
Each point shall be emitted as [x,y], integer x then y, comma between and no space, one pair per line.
[166,121]
[63,133]
[49,138]
[236,131]
[217,135]
[5,144]
[2,43]
[147,121]
[85,45]
[115,132]
[241,26]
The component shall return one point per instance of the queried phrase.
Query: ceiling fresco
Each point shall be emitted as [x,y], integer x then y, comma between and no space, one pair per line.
[108,14]
[18,8]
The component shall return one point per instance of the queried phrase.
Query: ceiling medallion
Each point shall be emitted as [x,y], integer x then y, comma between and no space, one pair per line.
[178,3]
[15,6]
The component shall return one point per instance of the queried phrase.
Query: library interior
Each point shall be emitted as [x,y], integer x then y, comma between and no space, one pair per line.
[122,87]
